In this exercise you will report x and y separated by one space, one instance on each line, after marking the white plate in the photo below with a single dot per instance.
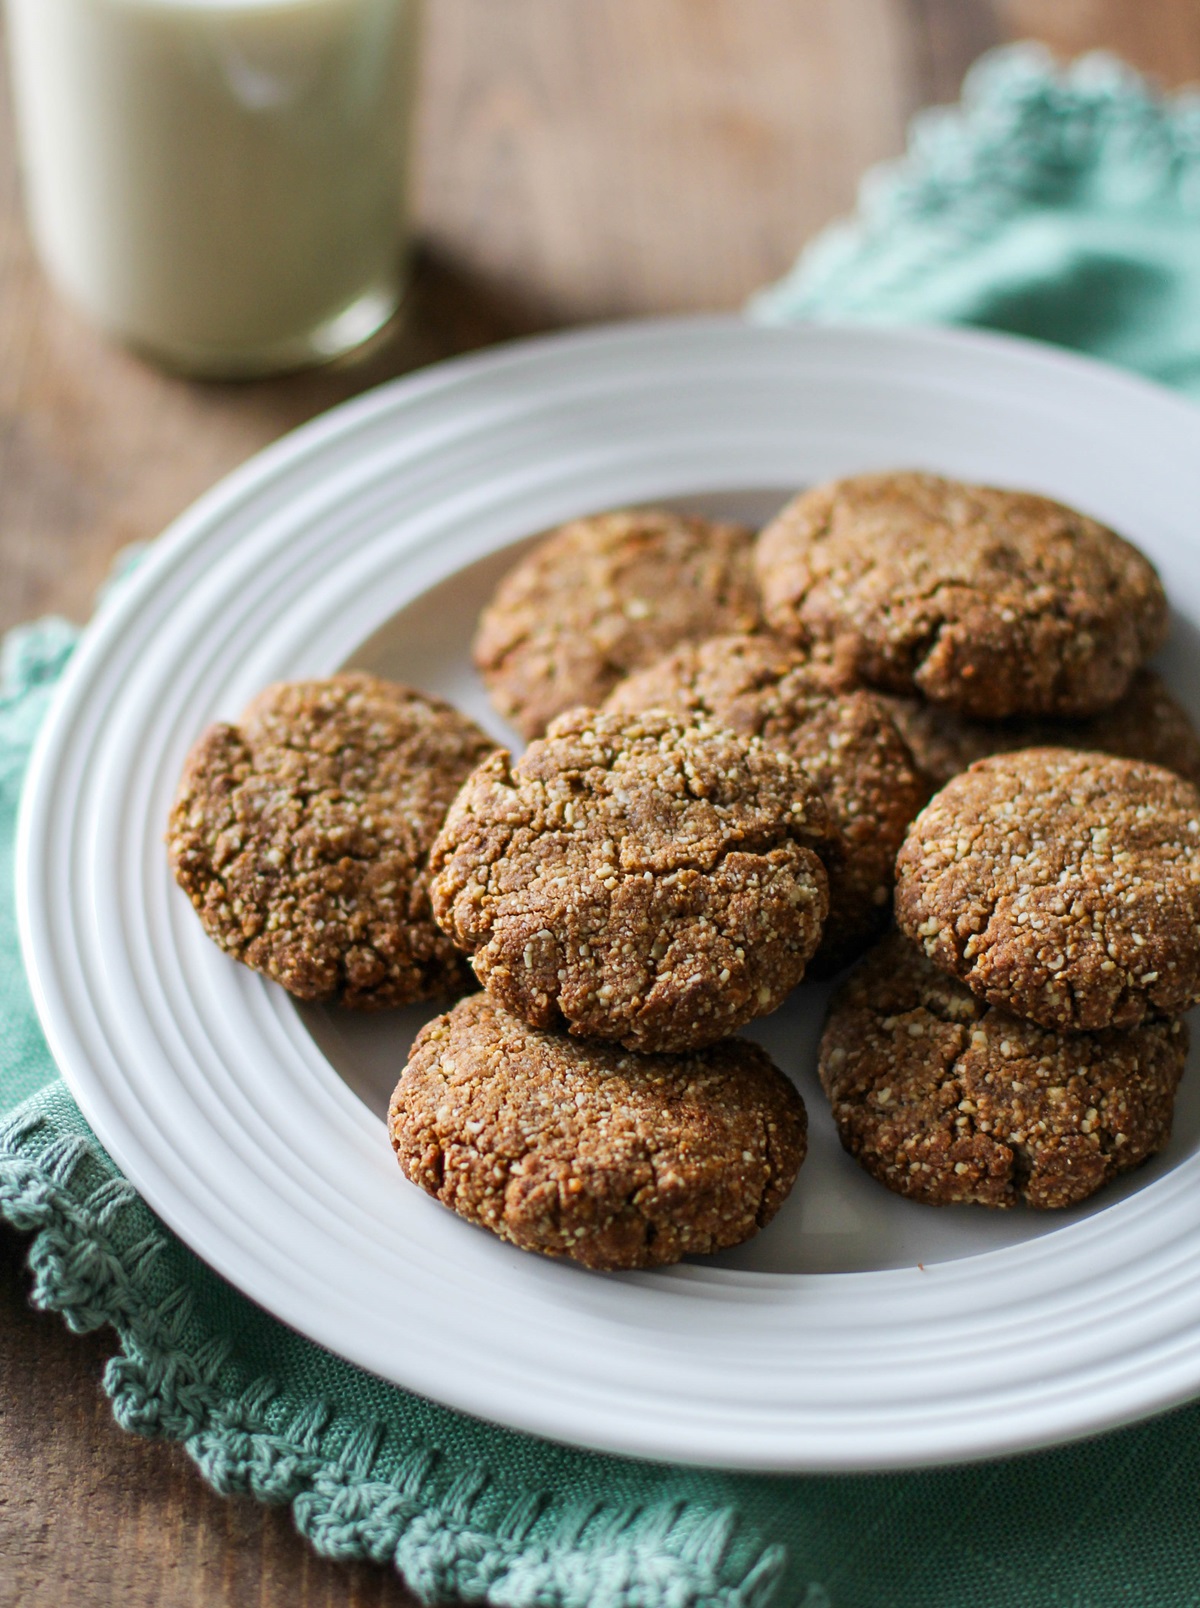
859 1331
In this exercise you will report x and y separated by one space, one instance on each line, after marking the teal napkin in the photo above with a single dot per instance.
1060 206
1066 206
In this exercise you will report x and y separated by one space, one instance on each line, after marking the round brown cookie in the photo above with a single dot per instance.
635 877
603 596
948 1100
1064 886
996 603
846 743
587 1151
301 836
1147 723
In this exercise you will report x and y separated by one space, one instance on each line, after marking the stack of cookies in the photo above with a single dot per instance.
1019 1038
649 883
729 741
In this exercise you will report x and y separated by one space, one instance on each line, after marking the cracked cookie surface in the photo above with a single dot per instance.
1147 723
603 596
635 877
301 836
948 1100
846 743
1063 885
996 603
585 1151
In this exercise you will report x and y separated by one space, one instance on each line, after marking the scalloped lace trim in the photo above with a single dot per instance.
452 1535
1026 134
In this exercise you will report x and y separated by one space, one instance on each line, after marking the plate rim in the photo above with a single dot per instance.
274 462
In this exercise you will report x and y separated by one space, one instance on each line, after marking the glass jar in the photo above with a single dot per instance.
219 183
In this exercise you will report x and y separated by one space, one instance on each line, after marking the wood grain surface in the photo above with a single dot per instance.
578 160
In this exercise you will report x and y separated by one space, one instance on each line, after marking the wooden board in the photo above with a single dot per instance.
579 160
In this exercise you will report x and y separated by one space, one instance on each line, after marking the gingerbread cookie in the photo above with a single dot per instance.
603 596
1147 723
995 603
1064 886
635 877
948 1100
586 1151
301 836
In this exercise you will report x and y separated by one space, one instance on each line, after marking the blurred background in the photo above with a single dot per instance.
576 160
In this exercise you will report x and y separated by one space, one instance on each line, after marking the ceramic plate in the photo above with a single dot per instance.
859 1331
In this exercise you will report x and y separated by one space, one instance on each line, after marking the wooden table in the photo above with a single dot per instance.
579 160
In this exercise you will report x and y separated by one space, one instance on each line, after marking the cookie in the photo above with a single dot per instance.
635 877
1147 723
603 596
1064 886
846 742
585 1151
948 1100
301 835
995 603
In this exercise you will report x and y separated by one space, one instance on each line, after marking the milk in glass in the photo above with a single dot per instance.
219 182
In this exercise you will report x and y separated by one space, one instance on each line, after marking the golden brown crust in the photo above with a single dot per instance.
635 878
948 1100
301 837
603 596
586 1151
1147 723
846 743
1064 886
996 603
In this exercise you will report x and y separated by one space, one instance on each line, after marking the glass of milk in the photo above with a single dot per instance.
219 183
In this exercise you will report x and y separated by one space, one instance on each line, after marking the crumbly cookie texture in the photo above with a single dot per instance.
586 1151
948 1100
302 835
846 743
603 596
1147 723
996 603
1065 886
635 877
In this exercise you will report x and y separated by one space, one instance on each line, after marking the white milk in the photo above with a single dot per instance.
219 182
